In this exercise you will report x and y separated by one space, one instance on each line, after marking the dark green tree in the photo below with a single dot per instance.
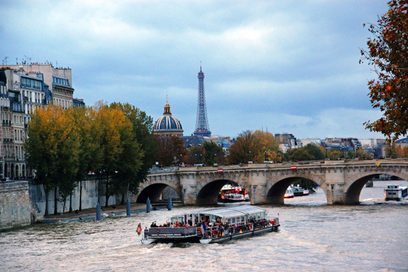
212 154
306 153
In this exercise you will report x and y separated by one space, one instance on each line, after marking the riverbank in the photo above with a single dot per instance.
107 212
90 214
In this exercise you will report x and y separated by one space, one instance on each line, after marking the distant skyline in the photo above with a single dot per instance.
280 66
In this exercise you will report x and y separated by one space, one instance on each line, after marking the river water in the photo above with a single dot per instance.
313 237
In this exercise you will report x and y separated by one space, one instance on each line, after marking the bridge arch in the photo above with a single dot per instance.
275 194
208 194
354 188
154 191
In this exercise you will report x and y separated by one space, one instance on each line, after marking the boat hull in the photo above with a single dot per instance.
174 240
243 235
198 239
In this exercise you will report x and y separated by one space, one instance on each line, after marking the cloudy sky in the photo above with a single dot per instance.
281 66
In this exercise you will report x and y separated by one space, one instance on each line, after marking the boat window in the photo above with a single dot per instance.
233 220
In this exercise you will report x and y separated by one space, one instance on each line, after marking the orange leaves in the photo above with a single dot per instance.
388 52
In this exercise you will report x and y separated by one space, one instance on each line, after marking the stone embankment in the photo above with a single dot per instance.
15 204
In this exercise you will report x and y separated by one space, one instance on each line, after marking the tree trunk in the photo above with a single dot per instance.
64 204
80 195
70 203
107 190
123 199
46 201
55 201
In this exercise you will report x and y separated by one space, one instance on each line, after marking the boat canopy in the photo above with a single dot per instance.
230 212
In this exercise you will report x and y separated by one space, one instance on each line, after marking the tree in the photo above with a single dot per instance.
315 151
267 148
299 154
89 156
142 131
212 153
334 154
170 150
129 163
306 153
52 150
67 156
363 155
401 151
40 150
194 155
388 53
243 150
110 123
255 146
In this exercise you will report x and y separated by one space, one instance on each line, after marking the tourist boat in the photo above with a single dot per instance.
232 194
297 190
395 192
212 226
289 193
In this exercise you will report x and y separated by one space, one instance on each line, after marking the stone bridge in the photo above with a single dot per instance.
342 181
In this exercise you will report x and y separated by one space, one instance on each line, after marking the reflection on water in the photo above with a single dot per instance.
313 237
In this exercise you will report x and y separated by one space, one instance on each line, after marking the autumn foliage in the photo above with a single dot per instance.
257 146
388 54
64 146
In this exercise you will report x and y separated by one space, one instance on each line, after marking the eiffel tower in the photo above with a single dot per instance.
202 128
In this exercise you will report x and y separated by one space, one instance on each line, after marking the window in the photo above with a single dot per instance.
60 81
30 83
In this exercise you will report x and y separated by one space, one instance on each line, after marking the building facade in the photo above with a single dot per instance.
58 80
23 89
286 141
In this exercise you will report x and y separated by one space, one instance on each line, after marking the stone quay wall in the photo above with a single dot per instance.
89 198
22 203
15 204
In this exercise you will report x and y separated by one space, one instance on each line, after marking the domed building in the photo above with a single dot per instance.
167 124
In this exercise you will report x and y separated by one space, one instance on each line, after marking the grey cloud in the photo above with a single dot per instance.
281 65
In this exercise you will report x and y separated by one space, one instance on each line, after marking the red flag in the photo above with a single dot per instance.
139 229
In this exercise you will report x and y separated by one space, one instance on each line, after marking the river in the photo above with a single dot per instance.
313 237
